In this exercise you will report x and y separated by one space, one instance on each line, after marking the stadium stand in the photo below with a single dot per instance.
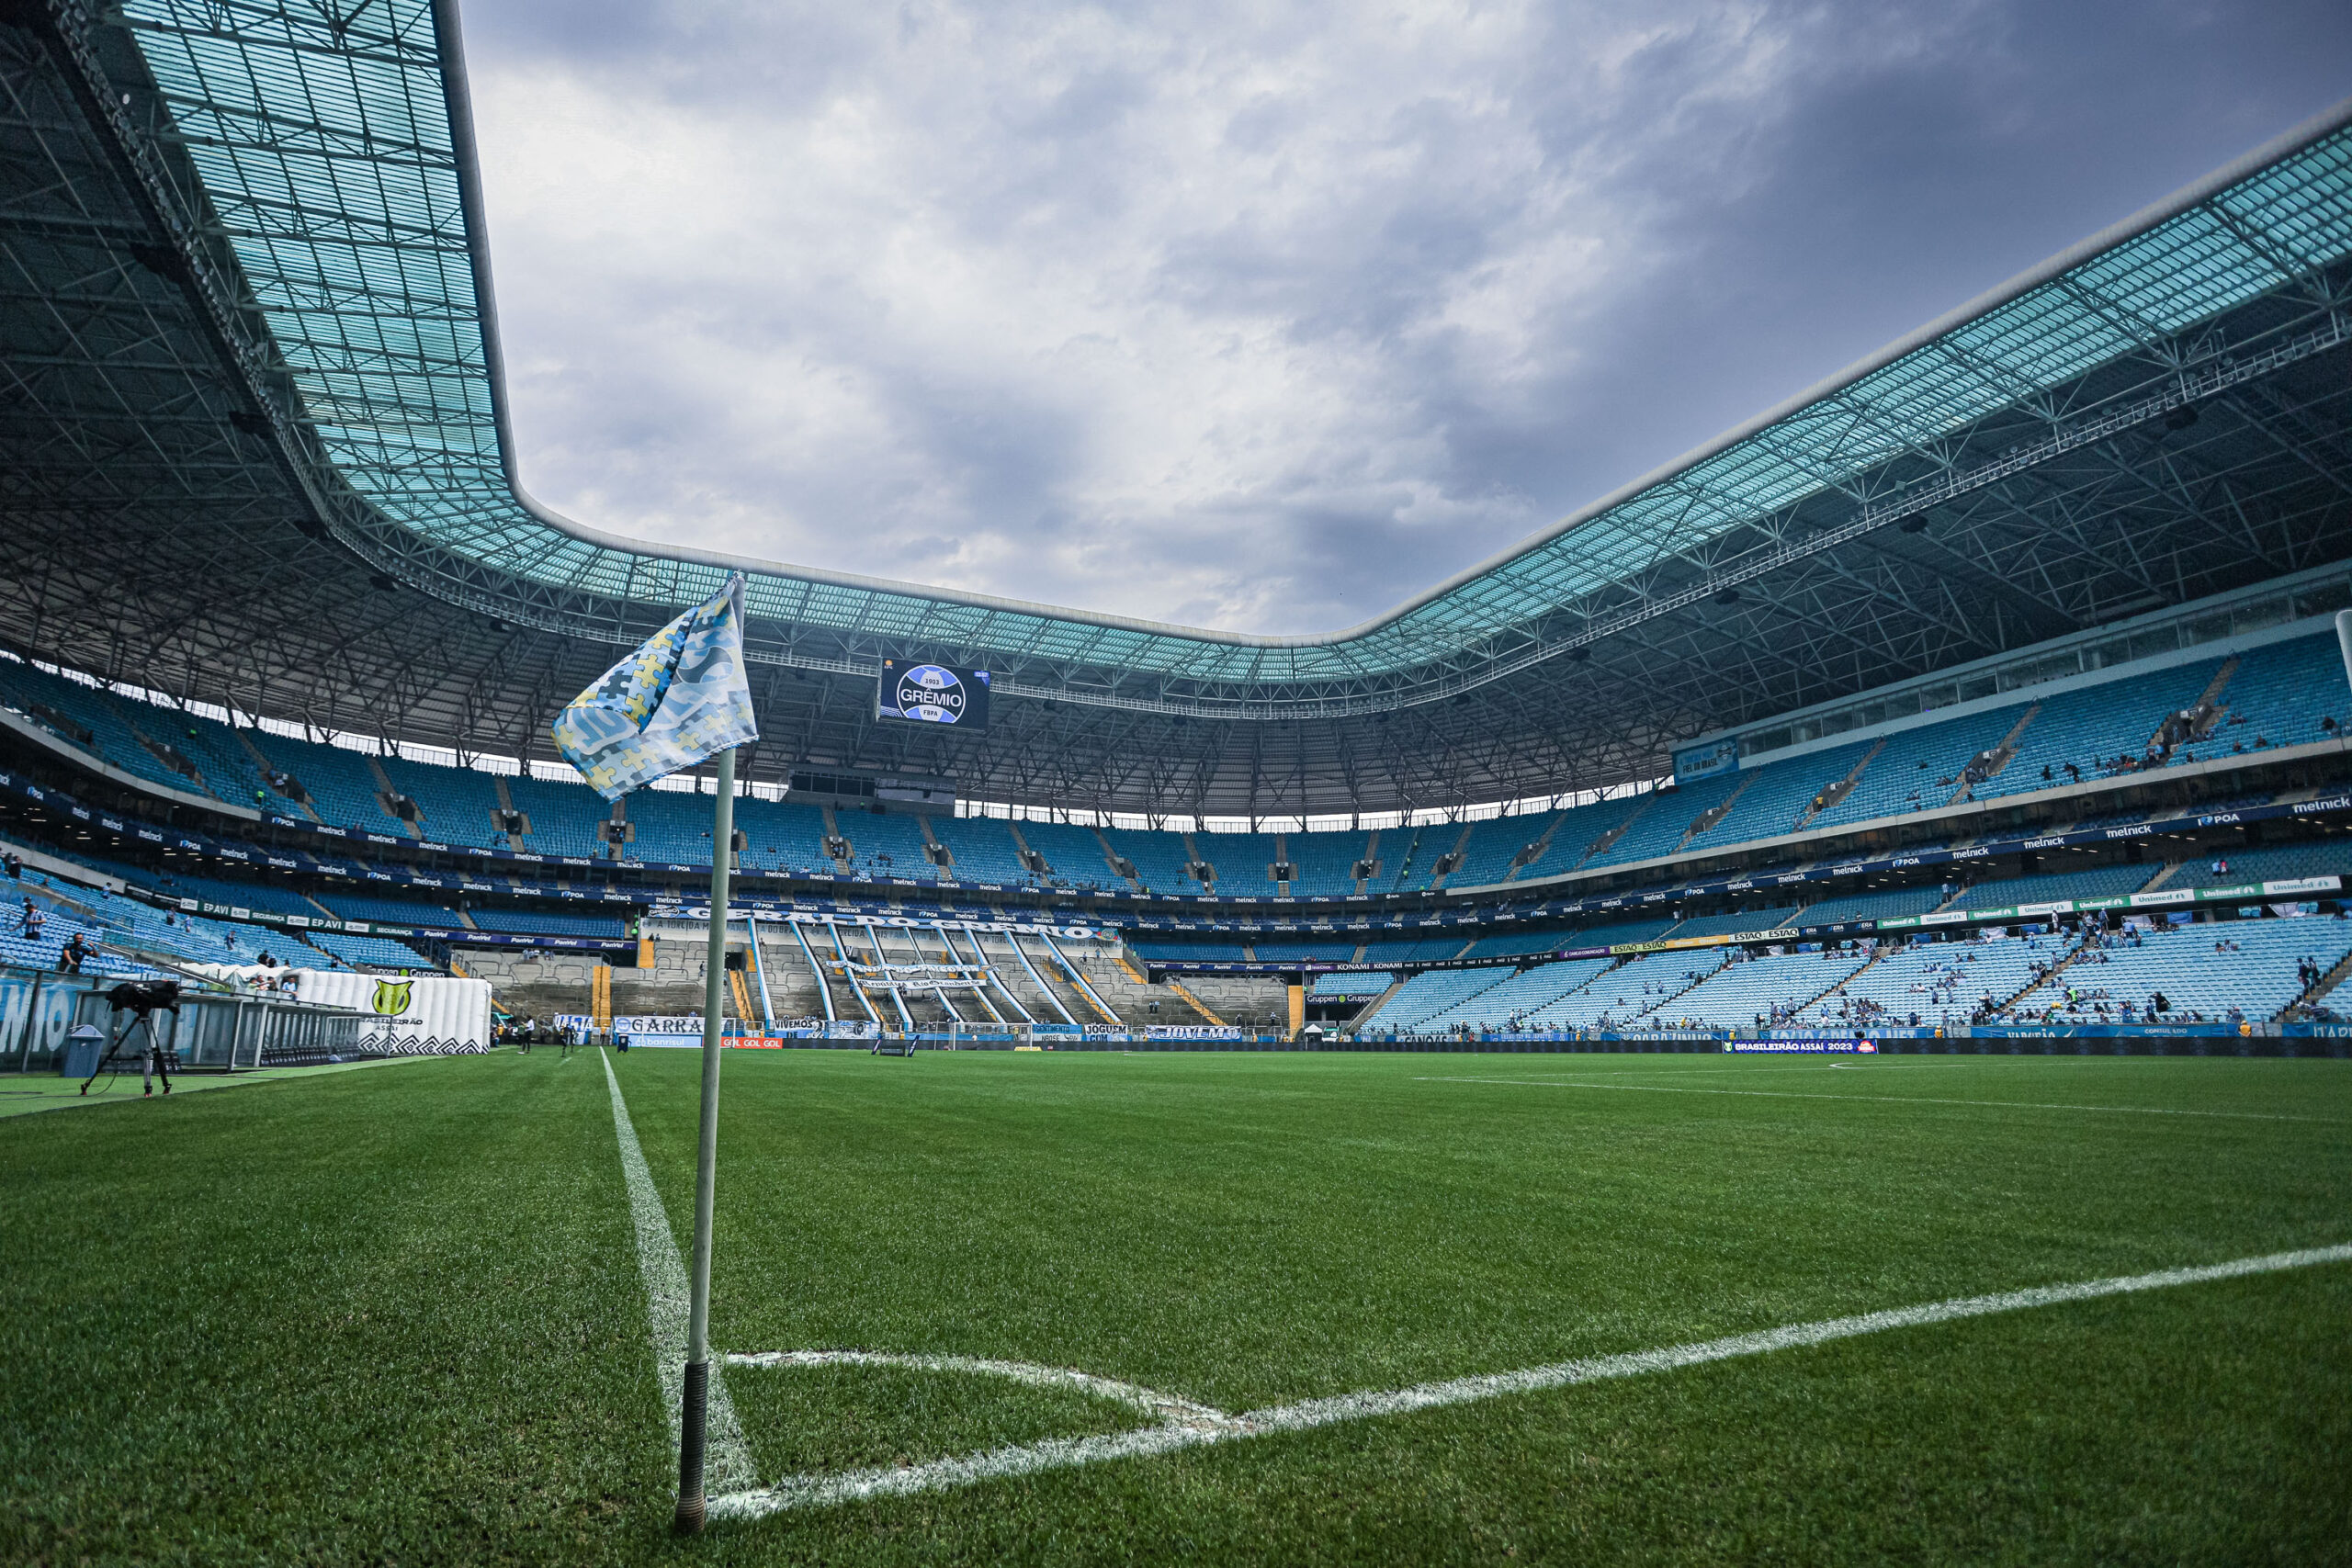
884 845
548 922
1159 858
1426 950
1306 951
2042 887
456 806
1491 847
2284 863
2227 971
1733 921
1943 983
1074 853
355 906
566 818
1751 992
1159 952
367 952
1513 999
1780 799
1326 863
273 896
1890 905
983 850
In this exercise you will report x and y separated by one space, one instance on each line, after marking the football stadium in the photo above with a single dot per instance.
1354 1097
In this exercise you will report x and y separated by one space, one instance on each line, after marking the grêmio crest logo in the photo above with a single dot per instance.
930 694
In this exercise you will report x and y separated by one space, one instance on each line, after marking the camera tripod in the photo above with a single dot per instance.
142 1001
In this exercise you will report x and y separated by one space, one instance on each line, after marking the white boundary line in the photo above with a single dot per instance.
1890 1099
1200 1425
728 1458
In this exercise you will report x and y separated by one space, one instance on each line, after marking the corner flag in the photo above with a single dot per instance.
681 697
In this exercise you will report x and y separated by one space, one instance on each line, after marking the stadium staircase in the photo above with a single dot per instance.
1112 859
2318 992
1197 1005
507 812
1030 859
1842 789
938 853
2018 996
264 767
1529 855
1663 1002
2171 868
1451 861
1987 763
1363 1019
1602 845
1713 814
386 793
2208 712
1371 859
1884 951
170 757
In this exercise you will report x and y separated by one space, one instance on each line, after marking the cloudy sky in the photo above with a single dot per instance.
1262 317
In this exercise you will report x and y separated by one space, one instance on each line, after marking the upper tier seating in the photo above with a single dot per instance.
1777 798
1159 858
983 849
455 805
1074 853
2091 727
1326 863
884 845
2280 695
566 818
1492 846
343 792
1240 861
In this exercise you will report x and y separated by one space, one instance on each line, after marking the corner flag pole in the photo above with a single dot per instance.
698 1390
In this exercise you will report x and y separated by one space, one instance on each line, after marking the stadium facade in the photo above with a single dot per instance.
2035 599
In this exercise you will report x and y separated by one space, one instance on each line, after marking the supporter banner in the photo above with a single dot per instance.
1194 1032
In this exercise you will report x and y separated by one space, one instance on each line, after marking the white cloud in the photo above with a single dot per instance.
1252 317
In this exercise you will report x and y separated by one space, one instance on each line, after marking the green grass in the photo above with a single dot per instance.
397 1315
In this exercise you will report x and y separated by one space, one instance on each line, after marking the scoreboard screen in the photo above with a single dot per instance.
933 693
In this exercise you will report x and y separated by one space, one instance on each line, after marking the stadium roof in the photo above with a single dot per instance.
316 281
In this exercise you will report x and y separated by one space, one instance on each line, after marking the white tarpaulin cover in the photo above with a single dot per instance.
426 1014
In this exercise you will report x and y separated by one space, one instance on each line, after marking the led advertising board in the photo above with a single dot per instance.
933 693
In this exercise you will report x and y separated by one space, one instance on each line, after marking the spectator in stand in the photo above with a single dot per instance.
70 956
15 865
32 921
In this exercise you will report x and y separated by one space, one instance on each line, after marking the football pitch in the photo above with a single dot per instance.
403 1314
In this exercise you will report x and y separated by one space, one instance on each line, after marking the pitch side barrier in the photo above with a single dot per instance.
1123 899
